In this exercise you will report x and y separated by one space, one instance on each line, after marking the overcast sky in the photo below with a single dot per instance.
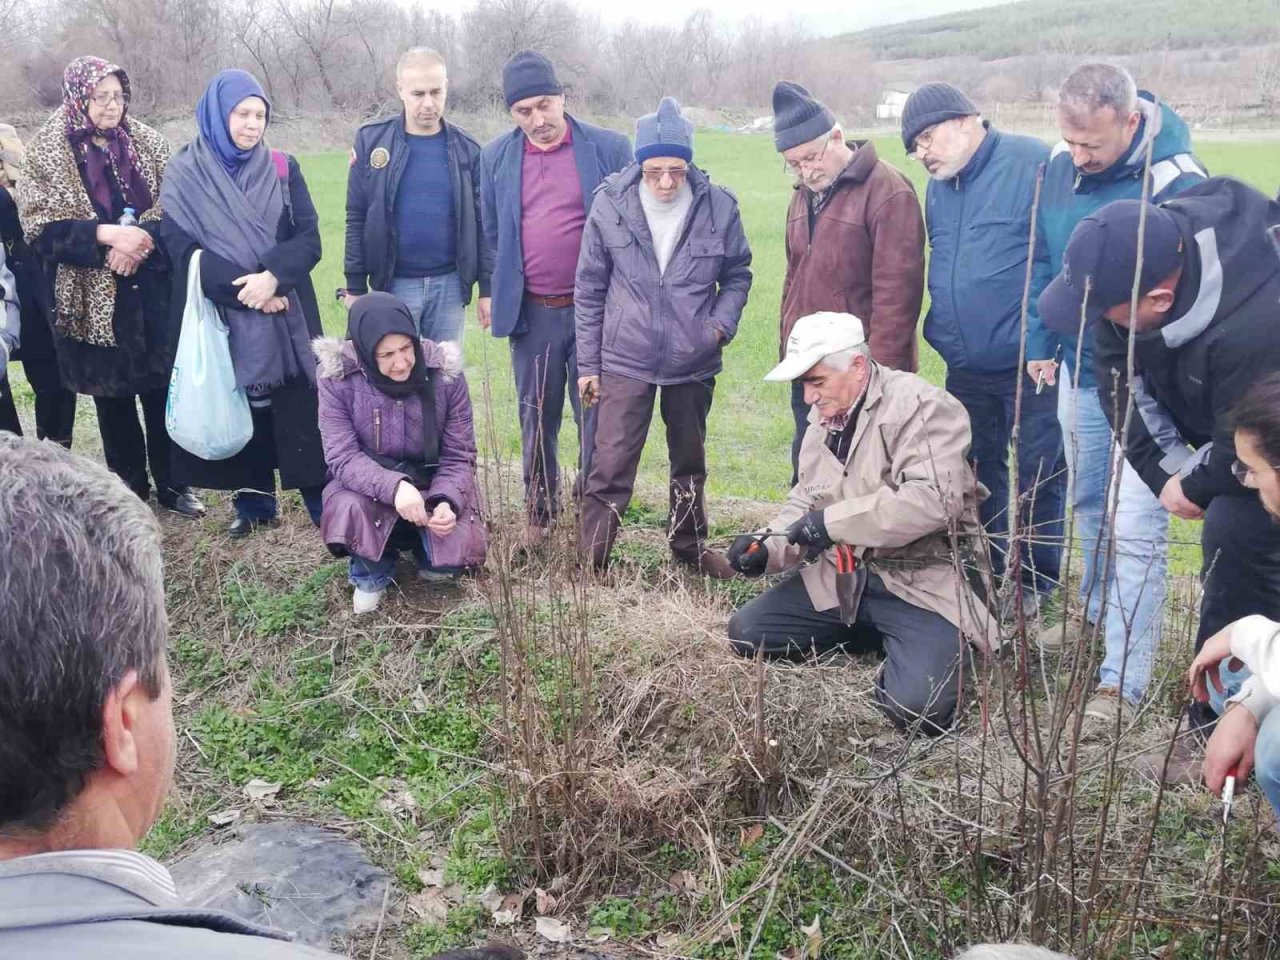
821 16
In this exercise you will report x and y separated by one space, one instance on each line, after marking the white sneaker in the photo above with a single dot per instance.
366 601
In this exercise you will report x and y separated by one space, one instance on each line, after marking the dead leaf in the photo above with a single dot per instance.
598 934
419 700
431 877
558 883
666 940
224 818
260 790
430 906
791 953
684 881
543 901
509 910
751 835
491 899
726 932
813 938
554 930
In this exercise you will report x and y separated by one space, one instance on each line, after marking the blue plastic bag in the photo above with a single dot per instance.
206 413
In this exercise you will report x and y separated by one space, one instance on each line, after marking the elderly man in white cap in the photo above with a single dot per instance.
885 490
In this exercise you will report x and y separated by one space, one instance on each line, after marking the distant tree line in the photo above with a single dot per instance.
339 55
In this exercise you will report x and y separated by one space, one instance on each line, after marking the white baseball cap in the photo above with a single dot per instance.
816 336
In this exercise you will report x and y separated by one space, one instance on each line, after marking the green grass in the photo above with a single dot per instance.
749 433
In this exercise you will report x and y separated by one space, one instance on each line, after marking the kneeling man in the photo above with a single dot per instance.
885 490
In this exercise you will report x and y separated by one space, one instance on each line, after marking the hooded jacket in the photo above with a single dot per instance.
357 419
1068 196
979 222
1223 337
659 327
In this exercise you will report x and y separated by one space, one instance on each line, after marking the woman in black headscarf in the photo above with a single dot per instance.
400 479
248 209
88 200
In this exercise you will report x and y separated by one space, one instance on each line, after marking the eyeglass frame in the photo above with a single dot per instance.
793 169
1242 471
655 176
120 97
925 137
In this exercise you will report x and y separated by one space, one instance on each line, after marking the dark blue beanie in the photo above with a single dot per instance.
528 74
666 133
929 104
797 117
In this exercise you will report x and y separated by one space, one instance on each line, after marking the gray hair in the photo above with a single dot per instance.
1093 86
843 359
1009 951
419 57
81 605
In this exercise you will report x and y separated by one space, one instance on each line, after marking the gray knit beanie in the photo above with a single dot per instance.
797 117
667 133
929 104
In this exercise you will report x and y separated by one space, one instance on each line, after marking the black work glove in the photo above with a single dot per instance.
749 556
810 531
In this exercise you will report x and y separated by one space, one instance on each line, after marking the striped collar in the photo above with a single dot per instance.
130 871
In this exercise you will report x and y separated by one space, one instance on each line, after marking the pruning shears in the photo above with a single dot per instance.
1228 795
1057 358
851 580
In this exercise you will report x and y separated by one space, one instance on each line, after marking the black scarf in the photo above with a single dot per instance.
372 317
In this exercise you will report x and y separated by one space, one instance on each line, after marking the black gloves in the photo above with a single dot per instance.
810 531
748 555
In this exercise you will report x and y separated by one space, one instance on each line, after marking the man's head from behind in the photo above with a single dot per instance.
1098 115
86 755
1099 265
828 354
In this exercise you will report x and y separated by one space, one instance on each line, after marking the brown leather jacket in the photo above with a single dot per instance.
865 257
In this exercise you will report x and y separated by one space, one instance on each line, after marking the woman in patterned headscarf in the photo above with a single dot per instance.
90 171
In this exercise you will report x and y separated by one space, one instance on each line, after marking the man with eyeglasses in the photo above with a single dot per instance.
1203 329
979 207
661 284
854 240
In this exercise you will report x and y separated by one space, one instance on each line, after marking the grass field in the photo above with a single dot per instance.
749 433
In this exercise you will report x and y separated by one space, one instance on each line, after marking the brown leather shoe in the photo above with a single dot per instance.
712 564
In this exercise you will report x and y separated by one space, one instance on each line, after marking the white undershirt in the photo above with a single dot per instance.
665 220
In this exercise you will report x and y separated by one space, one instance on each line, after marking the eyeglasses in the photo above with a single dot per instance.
106 99
925 137
1244 473
655 174
796 169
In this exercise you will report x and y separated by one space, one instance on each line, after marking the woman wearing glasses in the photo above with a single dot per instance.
662 281
89 204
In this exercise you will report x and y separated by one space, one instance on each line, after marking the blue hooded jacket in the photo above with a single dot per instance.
1069 196
978 224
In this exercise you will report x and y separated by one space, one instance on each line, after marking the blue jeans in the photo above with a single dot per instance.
436 304
258 505
1042 473
1266 751
374 576
1131 587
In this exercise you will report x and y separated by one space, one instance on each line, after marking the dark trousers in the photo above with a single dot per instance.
1042 469
919 679
124 447
800 413
545 363
1241 556
622 425
256 500
55 414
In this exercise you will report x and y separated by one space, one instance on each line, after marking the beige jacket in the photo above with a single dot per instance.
905 489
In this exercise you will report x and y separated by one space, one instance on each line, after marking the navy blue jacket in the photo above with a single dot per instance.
598 153
979 222
370 259
1069 196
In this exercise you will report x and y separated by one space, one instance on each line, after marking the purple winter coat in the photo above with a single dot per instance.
659 328
359 500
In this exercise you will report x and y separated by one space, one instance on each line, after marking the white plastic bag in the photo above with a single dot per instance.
206 413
